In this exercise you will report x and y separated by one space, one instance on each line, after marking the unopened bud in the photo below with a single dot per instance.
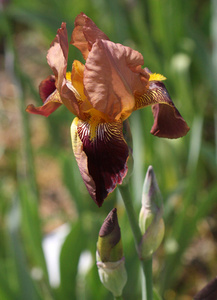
109 256
150 218
209 292
109 245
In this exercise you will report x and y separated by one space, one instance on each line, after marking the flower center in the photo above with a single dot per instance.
75 83
96 118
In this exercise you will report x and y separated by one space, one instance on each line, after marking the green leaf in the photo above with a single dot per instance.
74 182
31 226
69 258
156 296
6 292
27 288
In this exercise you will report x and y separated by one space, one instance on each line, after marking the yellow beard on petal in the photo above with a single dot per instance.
68 76
94 122
156 77
96 117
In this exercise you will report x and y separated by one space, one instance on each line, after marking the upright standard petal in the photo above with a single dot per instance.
50 97
85 34
115 71
103 160
57 59
168 122
57 55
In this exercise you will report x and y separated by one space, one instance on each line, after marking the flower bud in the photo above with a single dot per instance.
150 218
109 245
109 256
209 292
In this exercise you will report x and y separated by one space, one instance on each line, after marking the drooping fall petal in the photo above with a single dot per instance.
168 122
50 97
103 160
85 34
116 70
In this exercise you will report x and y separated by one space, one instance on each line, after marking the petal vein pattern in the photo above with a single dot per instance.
156 93
168 122
103 159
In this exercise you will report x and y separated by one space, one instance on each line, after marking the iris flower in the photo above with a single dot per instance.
102 94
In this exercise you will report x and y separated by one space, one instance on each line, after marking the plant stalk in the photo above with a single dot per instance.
145 264
148 291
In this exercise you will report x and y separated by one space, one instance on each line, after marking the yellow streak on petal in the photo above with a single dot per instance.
150 98
76 142
156 77
68 76
96 117
94 122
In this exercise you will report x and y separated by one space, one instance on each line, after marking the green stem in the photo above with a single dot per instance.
148 292
131 214
145 264
118 298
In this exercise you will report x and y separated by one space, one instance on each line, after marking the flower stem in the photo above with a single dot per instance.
118 298
148 292
145 264
131 214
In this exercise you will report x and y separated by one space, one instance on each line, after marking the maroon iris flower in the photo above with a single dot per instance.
102 94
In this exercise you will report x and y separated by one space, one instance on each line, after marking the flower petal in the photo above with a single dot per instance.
47 87
116 72
50 97
85 34
57 59
103 160
168 122
209 292
58 55
68 96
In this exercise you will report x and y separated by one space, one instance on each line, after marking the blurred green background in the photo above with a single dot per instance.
41 187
